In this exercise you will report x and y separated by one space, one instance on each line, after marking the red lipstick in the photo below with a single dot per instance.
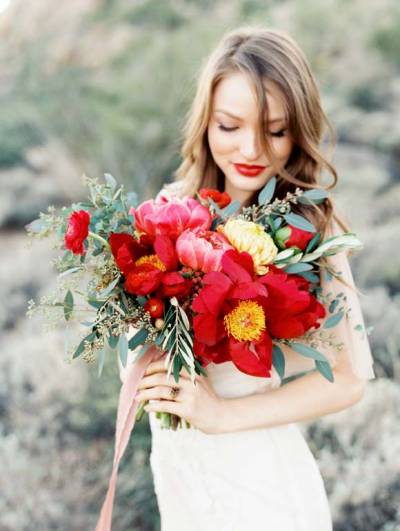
249 170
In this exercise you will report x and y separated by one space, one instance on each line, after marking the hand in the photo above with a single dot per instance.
196 402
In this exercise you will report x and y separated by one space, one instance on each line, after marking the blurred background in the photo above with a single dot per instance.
94 86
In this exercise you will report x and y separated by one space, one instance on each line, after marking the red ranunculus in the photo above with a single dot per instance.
221 198
148 264
143 279
77 231
173 284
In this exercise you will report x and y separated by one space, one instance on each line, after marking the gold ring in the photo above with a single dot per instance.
174 392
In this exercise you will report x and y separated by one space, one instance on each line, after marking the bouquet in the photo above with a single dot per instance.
202 279
193 276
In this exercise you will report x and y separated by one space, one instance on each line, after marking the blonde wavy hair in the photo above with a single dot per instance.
263 55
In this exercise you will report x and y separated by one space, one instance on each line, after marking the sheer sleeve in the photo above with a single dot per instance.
350 331
355 353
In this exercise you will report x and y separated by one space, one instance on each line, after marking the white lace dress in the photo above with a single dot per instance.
264 479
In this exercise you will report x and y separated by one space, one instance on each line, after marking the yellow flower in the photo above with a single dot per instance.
252 238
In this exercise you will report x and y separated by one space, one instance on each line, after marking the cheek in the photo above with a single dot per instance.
283 147
219 142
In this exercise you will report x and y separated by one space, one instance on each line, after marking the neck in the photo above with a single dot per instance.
243 196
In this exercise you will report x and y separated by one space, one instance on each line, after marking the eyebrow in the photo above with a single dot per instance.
239 118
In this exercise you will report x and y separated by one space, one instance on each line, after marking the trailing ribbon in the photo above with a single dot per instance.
126 416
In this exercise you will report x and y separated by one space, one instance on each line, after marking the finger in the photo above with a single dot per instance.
159 367
157 393
155 366
165 406
160 378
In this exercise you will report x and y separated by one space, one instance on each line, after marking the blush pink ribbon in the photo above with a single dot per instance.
126 416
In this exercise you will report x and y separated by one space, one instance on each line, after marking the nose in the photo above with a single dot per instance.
250 147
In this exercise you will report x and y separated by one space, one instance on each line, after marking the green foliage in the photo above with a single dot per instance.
19 130
386 36
155 15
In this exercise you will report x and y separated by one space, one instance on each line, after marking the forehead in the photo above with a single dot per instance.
234 93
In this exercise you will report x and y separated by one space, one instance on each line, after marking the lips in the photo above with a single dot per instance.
249 171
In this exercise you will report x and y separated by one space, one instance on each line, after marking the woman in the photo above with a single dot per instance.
244 463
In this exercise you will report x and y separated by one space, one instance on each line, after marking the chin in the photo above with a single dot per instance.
248 184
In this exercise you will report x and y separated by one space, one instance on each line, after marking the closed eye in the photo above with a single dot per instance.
230 129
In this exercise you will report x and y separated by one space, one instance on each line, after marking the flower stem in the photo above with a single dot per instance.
100 239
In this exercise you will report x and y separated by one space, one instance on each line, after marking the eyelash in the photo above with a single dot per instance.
278 134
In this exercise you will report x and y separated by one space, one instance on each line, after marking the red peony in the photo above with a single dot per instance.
221 198
143 279
238 312
77 231
230 322
291 309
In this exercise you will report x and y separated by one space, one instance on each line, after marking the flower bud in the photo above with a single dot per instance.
159 323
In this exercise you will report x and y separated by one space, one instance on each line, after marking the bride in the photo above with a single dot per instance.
244 464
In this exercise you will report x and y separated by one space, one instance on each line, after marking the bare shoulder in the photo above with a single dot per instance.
171 190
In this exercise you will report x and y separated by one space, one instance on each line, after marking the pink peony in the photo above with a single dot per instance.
171 217
201 250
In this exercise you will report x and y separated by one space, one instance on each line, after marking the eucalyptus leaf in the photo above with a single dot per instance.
284 255
312 244
68 305
333 304
110 180
131 199
80 348
307 351
311 277
335 245
333 320
325 369
123 349
278 360
200 368
109 288
87 323
298 268
299 222
69 271
113 341
267 192
102 355
315 196
138 339
95 304
216 207
36 226
141 300
141 352
230 209
177 368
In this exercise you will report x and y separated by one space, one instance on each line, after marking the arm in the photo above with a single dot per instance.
305 398
311 395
